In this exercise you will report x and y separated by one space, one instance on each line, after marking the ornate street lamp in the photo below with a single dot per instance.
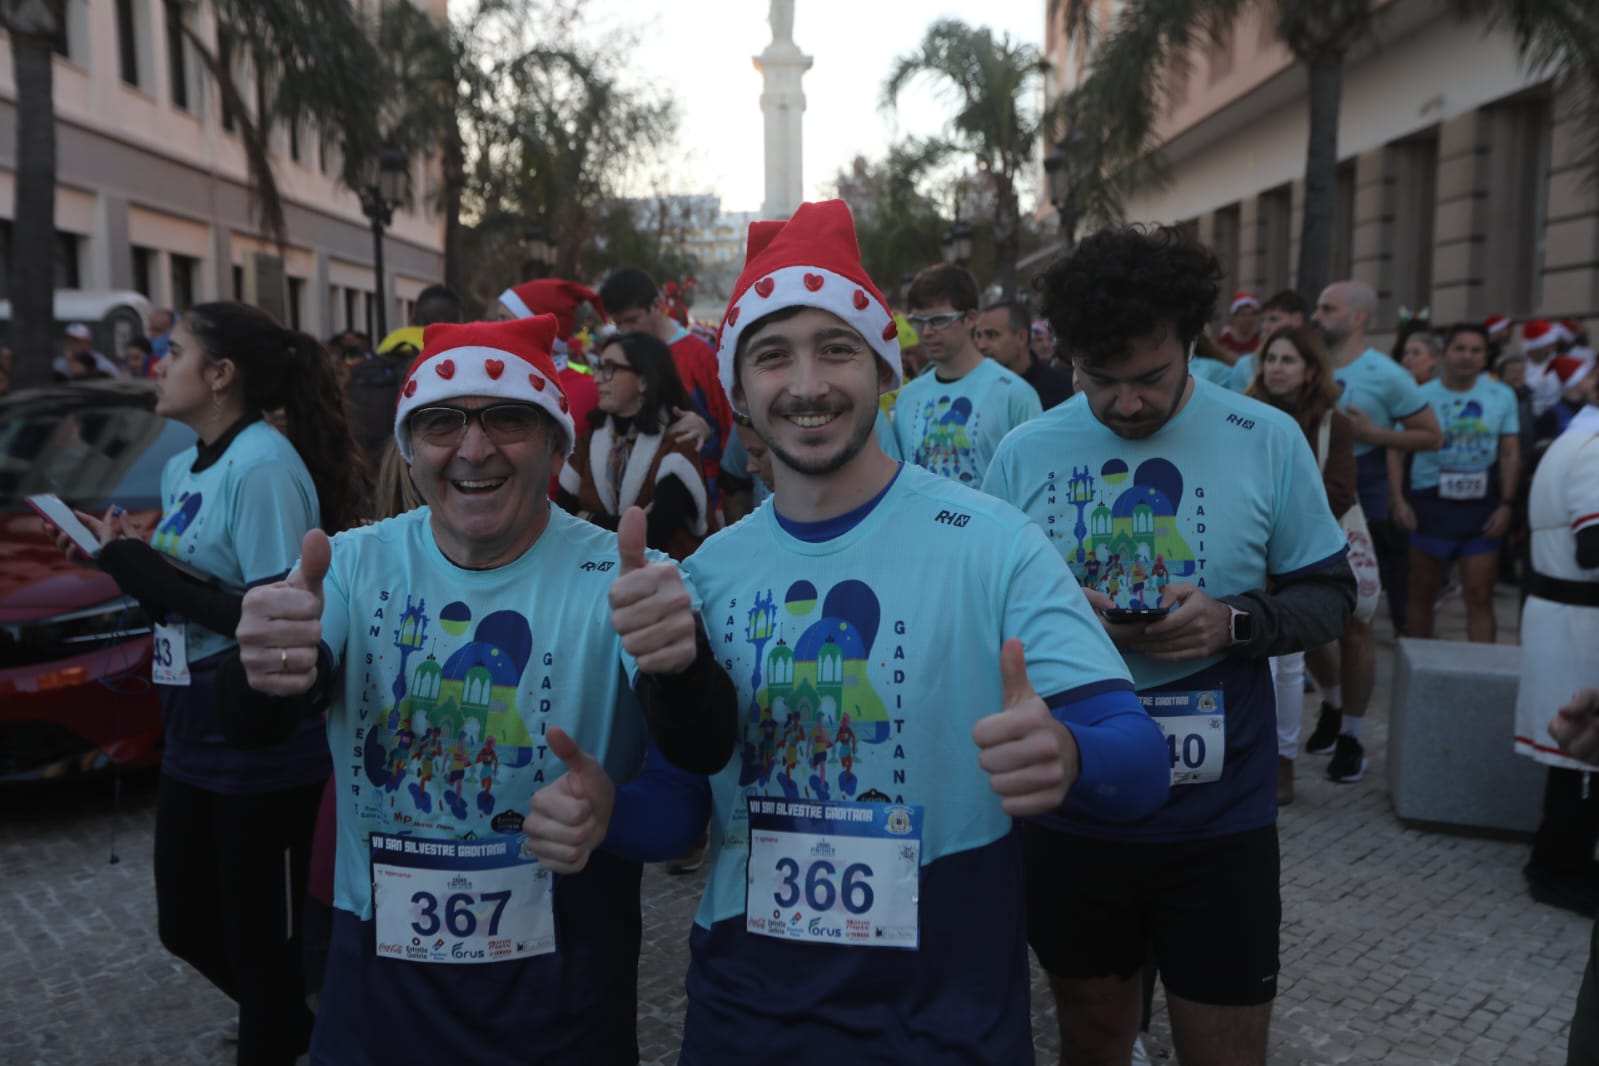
390 187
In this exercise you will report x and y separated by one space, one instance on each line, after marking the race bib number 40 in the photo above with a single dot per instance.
835 873
459 901
1195 727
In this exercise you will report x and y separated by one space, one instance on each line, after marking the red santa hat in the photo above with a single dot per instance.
551 296
1244 299
504 360
1496 324
1570 328
1539 334
811 260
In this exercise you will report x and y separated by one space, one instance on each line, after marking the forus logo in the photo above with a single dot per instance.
818 930
461 951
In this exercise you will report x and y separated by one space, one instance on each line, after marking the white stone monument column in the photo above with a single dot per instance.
782 66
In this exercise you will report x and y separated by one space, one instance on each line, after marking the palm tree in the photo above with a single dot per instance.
1129 66
33 25
989 83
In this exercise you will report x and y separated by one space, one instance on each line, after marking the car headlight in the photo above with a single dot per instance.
72 633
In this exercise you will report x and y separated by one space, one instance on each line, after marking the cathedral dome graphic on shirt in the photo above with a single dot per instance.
1127 543
814 701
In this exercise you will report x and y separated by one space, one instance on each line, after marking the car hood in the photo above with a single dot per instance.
37 581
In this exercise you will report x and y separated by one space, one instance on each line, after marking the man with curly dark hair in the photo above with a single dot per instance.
1178 504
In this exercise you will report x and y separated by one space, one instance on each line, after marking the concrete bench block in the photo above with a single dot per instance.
1449 738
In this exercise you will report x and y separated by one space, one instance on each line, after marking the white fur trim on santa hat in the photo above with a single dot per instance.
514 304
808 286
1538 335
1243 299
455 373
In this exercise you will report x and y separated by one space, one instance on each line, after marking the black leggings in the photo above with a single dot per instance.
230 874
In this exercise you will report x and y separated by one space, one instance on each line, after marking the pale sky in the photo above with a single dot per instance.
701 51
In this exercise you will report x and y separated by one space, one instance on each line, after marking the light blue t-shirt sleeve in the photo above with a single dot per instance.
1509 422
1304 532
1403 395
270 516
886 437
1068 650
1243 373
335 610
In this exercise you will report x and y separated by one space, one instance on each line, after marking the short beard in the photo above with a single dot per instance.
829 465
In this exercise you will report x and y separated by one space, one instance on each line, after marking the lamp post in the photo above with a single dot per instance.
1056 174
958 242
537 252
388 190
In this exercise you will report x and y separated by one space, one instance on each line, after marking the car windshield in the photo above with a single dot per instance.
87 450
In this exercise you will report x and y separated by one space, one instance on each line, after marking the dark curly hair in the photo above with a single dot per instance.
1125 282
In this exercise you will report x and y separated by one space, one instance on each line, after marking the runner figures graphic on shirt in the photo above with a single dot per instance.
945 447
814 703
1469 442
1126 540
174 525
452 724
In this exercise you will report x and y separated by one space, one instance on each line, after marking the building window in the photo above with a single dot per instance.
369 308
185 268
177 56
1343 235
127 42
144 271
350 318
225 63
1415 171
1224 243
296 294
1518 133
238 282
67 275
1276 236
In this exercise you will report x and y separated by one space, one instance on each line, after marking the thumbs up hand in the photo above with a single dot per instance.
280 625
1031 759
570 816
650 607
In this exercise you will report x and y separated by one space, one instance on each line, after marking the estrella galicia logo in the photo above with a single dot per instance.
899 820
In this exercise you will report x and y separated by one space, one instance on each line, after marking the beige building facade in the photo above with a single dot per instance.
1458 184
151 191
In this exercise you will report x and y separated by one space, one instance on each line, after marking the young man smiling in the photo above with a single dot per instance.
899 708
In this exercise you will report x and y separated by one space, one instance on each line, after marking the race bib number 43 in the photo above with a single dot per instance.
459 901
835 873
169 654
1195 727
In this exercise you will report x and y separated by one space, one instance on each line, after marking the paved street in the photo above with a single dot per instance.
1400 947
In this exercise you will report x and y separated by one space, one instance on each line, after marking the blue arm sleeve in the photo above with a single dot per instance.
660 814
1125 770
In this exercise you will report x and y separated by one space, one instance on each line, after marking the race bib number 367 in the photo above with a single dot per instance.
459 901
835 873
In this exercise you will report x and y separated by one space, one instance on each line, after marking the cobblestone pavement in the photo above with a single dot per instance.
1400 946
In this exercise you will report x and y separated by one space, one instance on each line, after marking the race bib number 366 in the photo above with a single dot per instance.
835 873
459 901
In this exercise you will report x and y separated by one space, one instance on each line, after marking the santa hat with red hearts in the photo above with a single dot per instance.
552 296
1244 299
1496 324
811 260
1539 334
504 360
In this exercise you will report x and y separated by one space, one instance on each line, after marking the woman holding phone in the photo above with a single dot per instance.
233 827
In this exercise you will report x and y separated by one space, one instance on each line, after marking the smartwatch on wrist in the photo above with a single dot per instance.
1240 626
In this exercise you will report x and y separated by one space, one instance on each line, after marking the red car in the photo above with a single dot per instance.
75 690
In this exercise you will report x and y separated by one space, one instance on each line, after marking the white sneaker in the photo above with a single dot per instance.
1140 1056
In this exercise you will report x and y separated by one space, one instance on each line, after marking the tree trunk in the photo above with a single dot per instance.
1321 175
453 165
33 227
1007 238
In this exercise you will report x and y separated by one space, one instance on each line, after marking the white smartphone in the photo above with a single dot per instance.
53 509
